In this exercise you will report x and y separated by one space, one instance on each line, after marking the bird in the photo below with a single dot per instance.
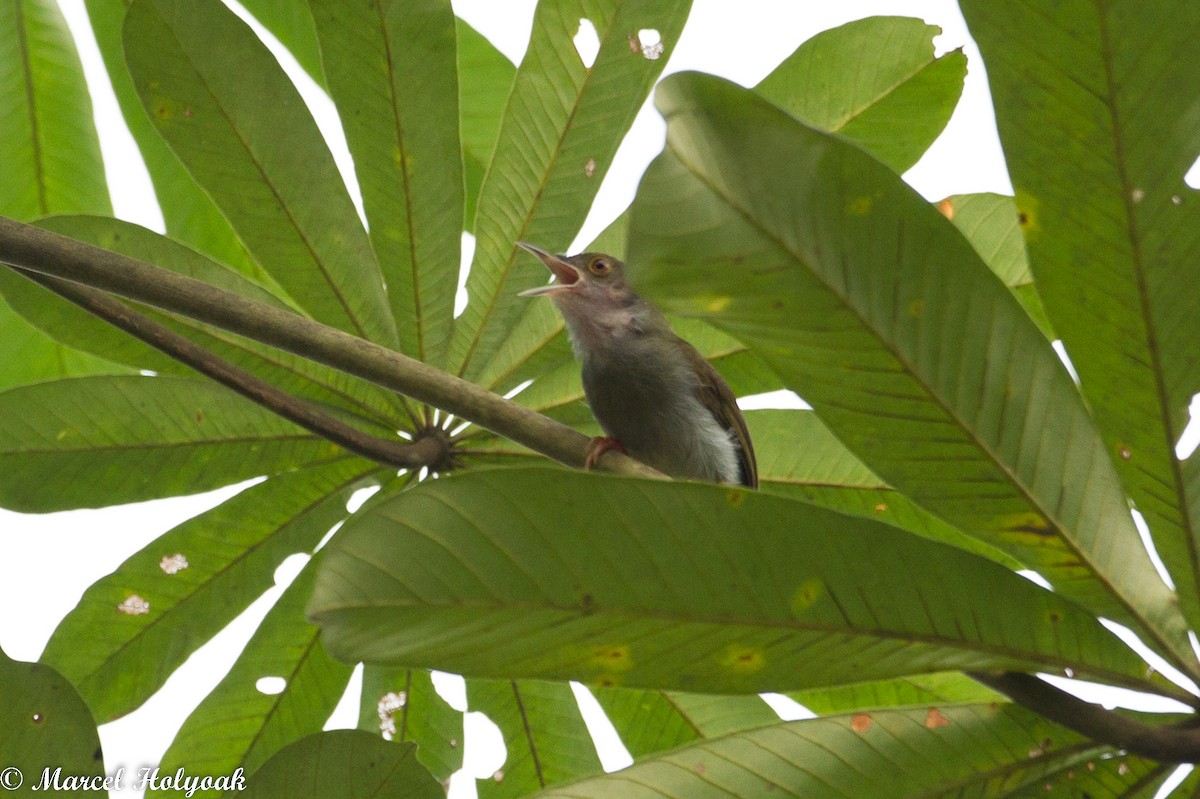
655 396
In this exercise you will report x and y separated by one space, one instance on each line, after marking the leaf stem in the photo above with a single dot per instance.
34 249
427 450
1166 743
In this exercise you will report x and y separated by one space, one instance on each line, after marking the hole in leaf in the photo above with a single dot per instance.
464 270
270 685
286 571
359 497
1192 176
587 43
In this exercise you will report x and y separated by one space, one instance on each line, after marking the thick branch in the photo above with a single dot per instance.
424 451
48 253
1167 743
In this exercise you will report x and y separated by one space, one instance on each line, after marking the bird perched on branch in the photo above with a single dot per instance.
655 396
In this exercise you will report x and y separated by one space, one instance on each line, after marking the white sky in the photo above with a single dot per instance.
49 560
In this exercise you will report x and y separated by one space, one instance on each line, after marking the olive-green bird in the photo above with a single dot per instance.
654 395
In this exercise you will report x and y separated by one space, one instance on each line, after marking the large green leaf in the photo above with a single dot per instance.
544 734
98 441
240 726
545 573
875 309
1099 114
894 103
342 764
406 150
194 579
403 705
222 102
46 727
970 750
560 132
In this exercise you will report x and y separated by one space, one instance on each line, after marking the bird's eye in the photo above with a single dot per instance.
599 266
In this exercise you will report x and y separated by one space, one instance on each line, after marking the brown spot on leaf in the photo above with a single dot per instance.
935 719
946 206
860 722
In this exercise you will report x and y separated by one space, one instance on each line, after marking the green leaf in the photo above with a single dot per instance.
51 151
485 76
403 705
924 689
544 734
1097 108
560 131
869 304
894 103
47 727
545 573
240 726
98 441
222 102
189 213
971 750
195 578
343 764
406 150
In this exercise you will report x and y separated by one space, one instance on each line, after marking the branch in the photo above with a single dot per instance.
37 250
425 451
1167 743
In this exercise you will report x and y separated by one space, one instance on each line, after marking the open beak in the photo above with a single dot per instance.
565 274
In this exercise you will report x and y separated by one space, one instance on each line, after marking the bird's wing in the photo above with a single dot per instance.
718 398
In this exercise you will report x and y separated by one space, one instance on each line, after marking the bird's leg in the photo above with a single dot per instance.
599 446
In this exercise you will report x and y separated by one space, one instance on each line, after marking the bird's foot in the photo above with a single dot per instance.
599 446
